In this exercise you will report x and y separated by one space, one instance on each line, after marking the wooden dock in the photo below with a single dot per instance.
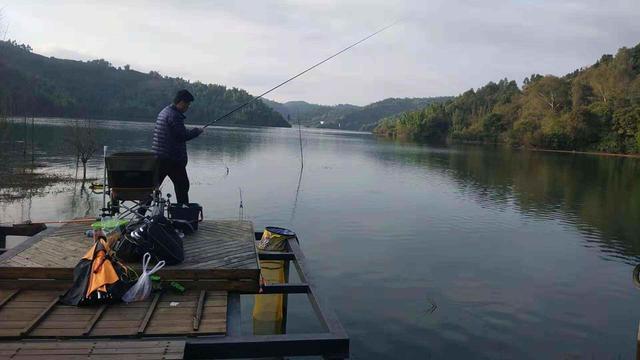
221 255
221 262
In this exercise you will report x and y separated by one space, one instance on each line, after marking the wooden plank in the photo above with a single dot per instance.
234 315
38 295
9 296
98 357
92 344
94 319
199 307
248 287
23 315
39 318
147 316
23 229
26 244
104 349
35 284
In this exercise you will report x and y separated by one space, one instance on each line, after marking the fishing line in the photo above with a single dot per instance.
254 99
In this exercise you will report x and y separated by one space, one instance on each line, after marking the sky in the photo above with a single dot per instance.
438 48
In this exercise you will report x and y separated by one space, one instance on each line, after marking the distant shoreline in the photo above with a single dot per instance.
42 119
521 148
598 153
524 148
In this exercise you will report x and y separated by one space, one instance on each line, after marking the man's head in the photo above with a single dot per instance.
182 100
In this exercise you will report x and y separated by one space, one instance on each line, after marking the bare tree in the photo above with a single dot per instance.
81 139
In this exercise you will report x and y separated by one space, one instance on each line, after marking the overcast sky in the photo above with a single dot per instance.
439 48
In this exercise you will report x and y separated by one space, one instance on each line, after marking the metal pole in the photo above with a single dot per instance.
285 300
104 181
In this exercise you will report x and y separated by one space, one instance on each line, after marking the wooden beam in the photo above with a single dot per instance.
23 229
230 347
234 315
273 255
198 312
94 319
64 273
147 316
33 323
285 289
638 345
8 298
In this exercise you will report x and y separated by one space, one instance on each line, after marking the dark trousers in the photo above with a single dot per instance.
177 172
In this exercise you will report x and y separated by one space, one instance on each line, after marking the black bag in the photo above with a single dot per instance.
156 236
162 241
128 247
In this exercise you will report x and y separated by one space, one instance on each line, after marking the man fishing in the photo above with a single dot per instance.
170 138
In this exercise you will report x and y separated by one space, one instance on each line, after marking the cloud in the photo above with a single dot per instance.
440 48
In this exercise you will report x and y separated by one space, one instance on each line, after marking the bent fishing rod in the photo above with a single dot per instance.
256 98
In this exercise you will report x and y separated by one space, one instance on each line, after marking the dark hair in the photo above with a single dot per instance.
183 95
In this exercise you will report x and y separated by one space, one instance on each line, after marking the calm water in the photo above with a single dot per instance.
526 255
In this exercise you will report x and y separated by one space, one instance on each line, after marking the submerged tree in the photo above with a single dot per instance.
81 140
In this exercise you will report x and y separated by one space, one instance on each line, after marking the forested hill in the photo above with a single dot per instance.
349 117
369 116
311 114
596 108
45 86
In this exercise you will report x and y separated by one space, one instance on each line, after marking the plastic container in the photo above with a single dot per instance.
273 238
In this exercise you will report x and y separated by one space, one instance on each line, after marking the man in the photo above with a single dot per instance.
170 138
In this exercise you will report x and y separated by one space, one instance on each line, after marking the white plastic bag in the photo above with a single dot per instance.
141 290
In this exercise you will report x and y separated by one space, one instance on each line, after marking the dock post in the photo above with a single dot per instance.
638 344
285 298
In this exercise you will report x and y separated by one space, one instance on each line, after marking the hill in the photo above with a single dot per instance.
312 115
36 85
345 116
369 116
596 108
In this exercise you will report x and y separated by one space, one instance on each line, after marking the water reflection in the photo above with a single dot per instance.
597 195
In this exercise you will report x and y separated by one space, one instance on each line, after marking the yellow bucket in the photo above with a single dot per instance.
268 310
274 238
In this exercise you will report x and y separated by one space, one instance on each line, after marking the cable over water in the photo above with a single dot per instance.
256 98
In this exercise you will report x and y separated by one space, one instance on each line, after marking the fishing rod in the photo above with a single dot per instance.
256 98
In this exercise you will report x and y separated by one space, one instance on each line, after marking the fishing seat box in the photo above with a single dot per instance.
132 175
186 218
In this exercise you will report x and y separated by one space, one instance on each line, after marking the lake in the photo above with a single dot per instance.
524 254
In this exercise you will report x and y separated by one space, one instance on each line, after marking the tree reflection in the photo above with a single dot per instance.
598 195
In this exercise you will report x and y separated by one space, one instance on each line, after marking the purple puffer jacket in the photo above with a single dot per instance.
170 136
